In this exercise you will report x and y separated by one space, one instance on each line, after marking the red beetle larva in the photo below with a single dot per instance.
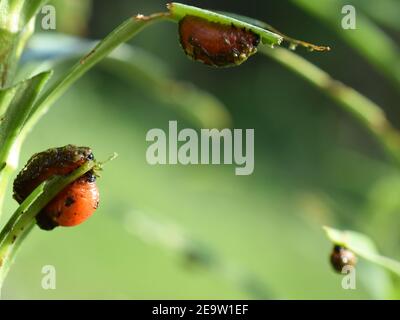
216 44
76 202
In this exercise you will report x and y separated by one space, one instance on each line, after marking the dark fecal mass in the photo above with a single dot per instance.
216 44
43 165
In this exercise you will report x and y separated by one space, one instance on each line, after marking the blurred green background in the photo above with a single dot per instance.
185 232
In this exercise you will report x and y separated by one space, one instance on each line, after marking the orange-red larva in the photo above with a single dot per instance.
216 44
73 205
76 202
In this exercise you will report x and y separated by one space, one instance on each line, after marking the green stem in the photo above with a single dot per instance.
152 75
5 174
24 218
122 34
18 101
17 23
368 38
369 114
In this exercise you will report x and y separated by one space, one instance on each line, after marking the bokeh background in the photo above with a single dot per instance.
194 232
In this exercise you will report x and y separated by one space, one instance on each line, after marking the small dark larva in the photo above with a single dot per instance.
216 44
341 257
76 202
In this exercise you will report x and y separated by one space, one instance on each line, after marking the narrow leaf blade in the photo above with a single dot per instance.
363 246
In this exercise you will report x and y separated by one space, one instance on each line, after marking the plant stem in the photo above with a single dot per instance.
17 23
18 101
24 218
152 75
5 174
122 34
368 38
369 114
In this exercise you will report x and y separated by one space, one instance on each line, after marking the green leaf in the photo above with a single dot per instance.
18 101
384 12
16 14
179 11
365 111
15 103
17 22
368 39
293 43
362 246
